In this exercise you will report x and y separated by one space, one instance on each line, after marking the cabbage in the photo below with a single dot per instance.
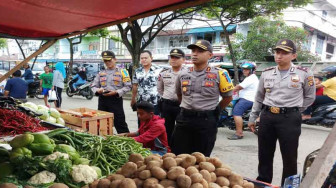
45 114
54 113
31 106
60 121
51 119
42 107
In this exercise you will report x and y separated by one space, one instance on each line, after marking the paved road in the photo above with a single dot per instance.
241 155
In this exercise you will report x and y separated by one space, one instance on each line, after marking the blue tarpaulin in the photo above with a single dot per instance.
211 29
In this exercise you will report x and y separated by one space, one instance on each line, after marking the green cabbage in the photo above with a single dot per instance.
42 107
60 121
54 113
51 119
45 114
31 106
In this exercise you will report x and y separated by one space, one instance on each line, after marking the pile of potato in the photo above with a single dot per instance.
183 171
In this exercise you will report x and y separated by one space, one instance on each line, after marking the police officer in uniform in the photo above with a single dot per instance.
198 89
166 88
284 91
110 85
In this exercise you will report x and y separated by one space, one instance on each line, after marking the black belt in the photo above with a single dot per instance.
194 113
280 110
171 102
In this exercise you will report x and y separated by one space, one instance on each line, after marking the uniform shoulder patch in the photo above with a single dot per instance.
164 70
269 68
302 68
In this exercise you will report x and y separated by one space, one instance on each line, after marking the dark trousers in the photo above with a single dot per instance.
170 110
58 91
319 100
287 129
194 134
115 106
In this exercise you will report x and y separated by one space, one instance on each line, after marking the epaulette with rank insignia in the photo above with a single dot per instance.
164 69
269 68
302 68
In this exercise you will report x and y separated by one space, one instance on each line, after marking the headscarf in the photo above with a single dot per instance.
60 67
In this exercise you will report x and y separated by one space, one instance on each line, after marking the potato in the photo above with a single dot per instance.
152 157
28 186
196 178
237 186
222 181
226 166
168 183
140 163
127 183
196 185
188 161
142 168
158 186
236 179
204 183
172 155
118 171
158 173
113 177
8 185
138 182
225 187
206 175
214 185
199 157
207 166
152 164
150 182
115 183
178 161
169 162
174 172
128 169
183 181
135 157
104 183
197 167
145 174
223 172
213 177
216 162
247 184
59 185
191 170
182 155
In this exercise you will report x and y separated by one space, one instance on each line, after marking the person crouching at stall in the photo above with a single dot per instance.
152 132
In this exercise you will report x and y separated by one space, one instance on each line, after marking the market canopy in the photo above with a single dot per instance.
48 19
229 28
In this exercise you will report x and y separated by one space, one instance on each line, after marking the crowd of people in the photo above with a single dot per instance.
178 107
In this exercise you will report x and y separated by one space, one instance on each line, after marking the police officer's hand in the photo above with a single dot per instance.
252 125
111 93
100 91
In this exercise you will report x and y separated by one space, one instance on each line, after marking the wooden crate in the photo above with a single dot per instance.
102 124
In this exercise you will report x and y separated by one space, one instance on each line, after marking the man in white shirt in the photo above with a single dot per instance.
247 91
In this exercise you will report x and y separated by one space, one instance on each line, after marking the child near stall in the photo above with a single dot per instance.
152 132
46 83
318 80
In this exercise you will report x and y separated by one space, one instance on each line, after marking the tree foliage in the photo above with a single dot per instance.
263 35
3 43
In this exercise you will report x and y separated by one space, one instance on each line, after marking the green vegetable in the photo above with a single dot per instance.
54 113
42 148
56 132
31 106
22 140
98 170
83 161
60 121
6 169
41 138
18 154
45 114
51 120
69 150
4 155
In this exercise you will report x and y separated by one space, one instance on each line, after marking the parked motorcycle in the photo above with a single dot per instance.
34 88
83 90
324 115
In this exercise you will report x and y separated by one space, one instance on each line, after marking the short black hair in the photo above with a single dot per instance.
148 52
319 77
146 106
17 73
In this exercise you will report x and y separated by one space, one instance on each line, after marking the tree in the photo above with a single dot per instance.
3 43
141 37
235 11
263 35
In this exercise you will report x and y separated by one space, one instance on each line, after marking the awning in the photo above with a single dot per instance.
229 28
46 19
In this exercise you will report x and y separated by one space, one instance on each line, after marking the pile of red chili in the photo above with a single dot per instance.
13 122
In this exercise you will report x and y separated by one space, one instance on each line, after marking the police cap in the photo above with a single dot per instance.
107 55
177 53
286 45
202 44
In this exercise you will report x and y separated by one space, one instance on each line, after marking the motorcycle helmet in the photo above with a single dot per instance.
330 71
249 65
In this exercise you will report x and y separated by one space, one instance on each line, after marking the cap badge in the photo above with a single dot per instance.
284 42
199 42
105 53
175 51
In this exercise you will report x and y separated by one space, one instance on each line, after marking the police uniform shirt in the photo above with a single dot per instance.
294 89
166 83
200 90
147 84
113 80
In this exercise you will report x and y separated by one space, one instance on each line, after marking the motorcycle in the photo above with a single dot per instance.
34 88
324 115
83 90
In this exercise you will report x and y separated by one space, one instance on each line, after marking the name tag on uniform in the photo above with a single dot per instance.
295 78
211 75
209 84
103 79
102 74
185 82
116 78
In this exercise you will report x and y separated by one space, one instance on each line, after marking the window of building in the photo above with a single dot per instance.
179 41
94 46
330 48
324 14
75 48
111 44
319 44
